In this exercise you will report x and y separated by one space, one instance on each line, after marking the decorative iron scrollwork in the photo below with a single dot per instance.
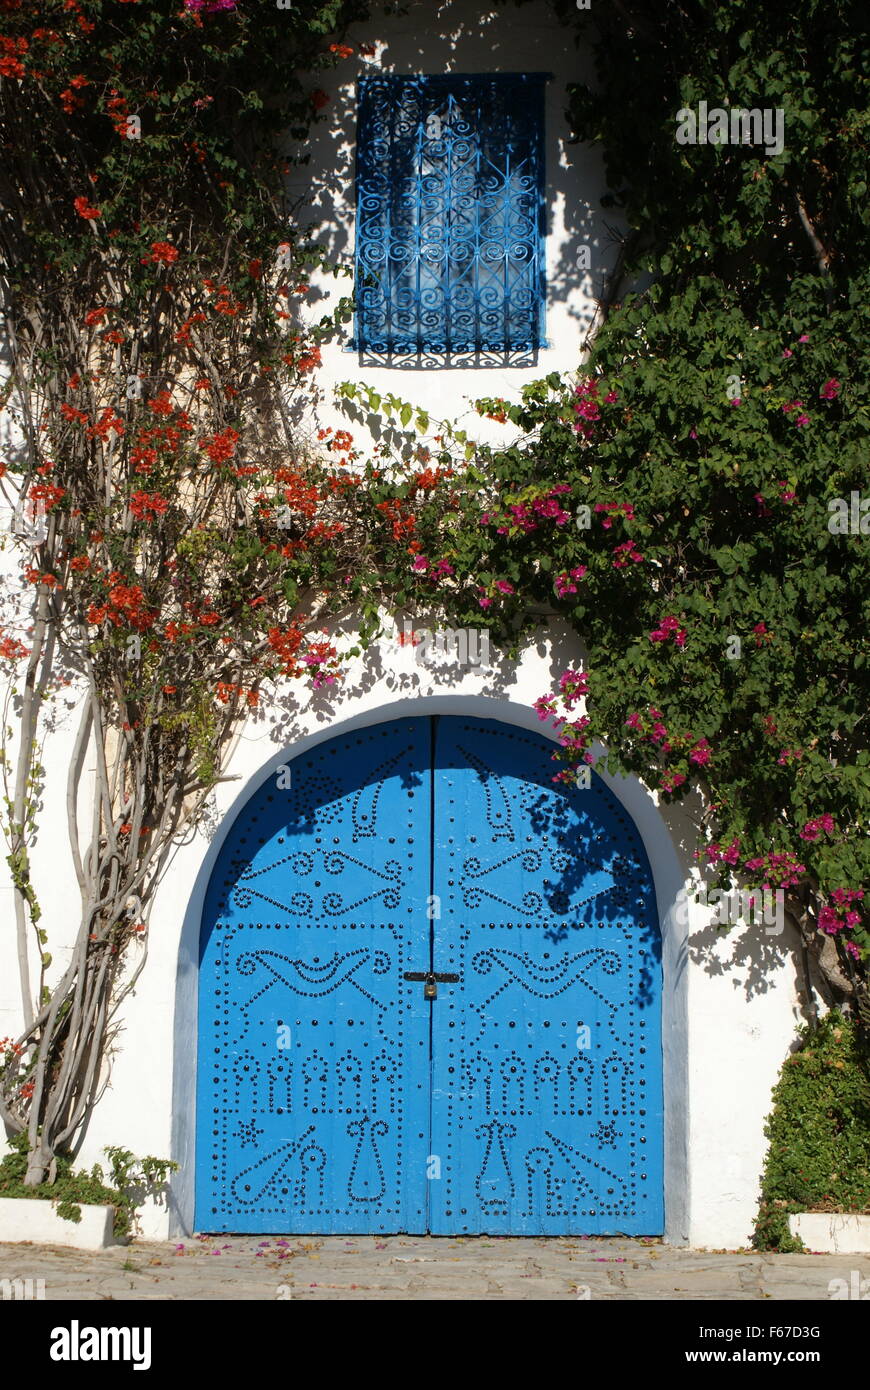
450 220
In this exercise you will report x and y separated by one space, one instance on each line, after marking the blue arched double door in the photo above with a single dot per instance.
335 1094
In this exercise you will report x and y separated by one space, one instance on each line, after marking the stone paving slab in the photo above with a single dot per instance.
396 1268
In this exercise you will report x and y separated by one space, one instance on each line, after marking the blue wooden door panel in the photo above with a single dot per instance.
527 1097
313 1091
547 1085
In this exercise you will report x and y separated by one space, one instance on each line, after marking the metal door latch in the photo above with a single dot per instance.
431 981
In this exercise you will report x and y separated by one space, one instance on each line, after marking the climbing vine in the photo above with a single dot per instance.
691 501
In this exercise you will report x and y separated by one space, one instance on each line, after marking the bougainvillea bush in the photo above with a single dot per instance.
695 501
686 536
177 539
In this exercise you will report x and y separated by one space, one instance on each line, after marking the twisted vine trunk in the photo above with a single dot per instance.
65 1043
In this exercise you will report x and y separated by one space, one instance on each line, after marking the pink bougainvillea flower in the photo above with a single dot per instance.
625 553
787 754
545 705
563 583
847 895
715 853
701 753
669 627
672 780
830 390
829 921
573 687
813 828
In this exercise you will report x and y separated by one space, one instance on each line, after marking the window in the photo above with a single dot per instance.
450 220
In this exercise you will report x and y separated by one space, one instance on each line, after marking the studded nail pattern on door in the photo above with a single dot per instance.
313 1055
547 1079
526 1095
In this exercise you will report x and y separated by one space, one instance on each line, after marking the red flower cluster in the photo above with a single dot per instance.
69 98
226 689
299 496
221 447
145 506
430 478
285 643
161 404
126 604
33 576
86 25
163 253
117 108
183 334
45 493
10 62
224 304
11 650
108 421
403 525
84 209
306 363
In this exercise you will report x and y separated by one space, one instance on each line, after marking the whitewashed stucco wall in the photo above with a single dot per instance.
729 1002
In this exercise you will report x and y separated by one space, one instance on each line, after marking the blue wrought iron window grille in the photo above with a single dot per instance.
450 220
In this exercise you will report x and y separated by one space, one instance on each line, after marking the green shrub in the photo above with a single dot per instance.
819 1133
131 1178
